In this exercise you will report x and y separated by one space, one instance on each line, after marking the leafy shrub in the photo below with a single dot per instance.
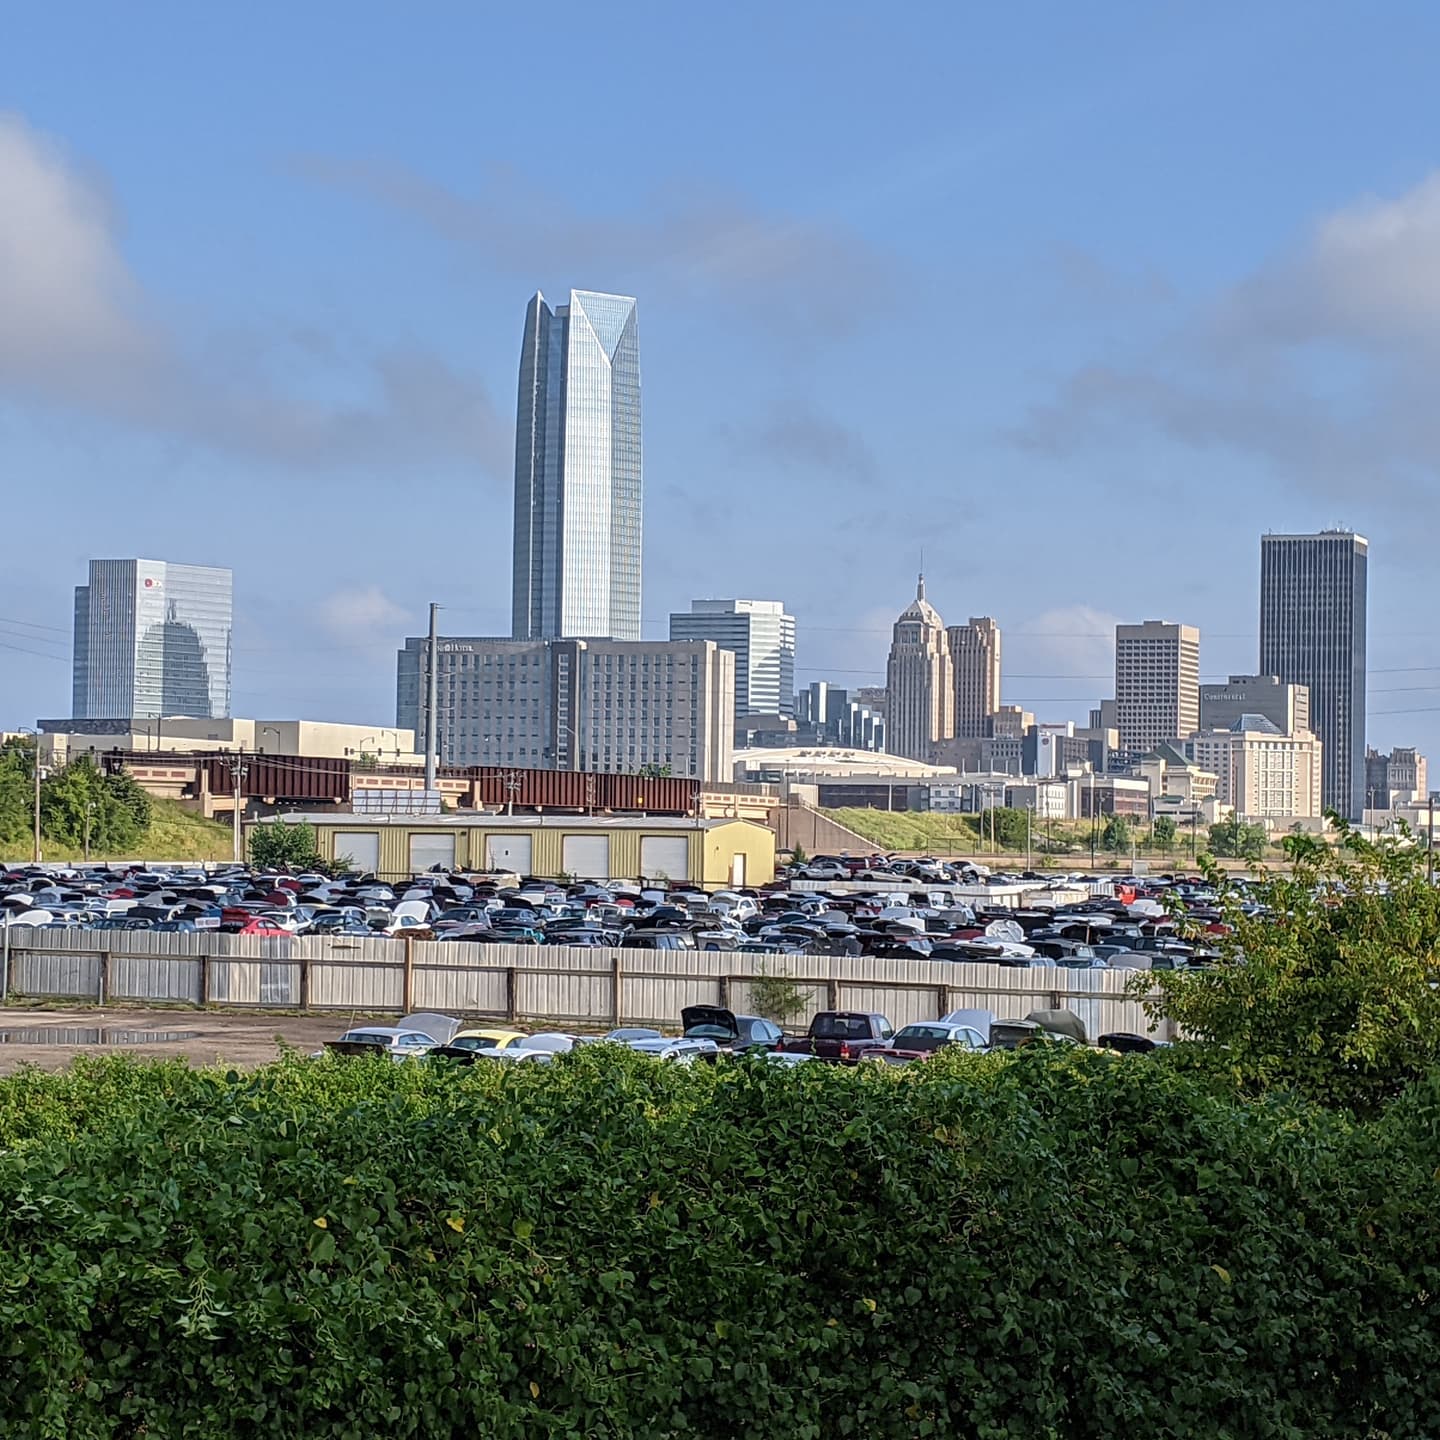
1054 1243
1333 989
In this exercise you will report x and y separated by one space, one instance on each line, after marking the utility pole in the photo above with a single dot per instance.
432 691
1094 815
1430 842
1028 810
38 777
89 812
238 771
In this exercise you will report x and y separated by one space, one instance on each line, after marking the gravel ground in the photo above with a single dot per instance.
211 1037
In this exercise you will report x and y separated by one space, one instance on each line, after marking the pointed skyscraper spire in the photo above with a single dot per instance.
920 587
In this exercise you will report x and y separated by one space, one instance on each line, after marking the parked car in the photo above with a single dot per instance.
916 1042
391 1040
733 1034
842 1036
659 940
683 1050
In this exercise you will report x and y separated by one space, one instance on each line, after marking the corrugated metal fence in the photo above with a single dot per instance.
556 985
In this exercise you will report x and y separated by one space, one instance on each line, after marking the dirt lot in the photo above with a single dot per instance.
231 1039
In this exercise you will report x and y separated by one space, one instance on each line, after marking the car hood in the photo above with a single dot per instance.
722 1019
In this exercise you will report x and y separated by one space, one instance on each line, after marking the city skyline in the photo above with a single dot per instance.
326 399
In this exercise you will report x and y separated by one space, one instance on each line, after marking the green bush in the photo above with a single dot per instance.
1332 989
1054 1243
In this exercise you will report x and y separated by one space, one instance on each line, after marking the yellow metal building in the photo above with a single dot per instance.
713 853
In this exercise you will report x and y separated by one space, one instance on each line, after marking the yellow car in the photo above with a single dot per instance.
464 1044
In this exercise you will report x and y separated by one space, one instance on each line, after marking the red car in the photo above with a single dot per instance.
915 1042
265 929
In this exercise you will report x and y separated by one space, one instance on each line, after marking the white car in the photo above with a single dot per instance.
533 1049
681 1051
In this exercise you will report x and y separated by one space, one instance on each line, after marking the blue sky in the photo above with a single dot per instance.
1078 300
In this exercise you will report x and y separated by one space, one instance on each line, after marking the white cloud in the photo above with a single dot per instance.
1071 640
77 329
1320 364
362 616
66 297
1368 274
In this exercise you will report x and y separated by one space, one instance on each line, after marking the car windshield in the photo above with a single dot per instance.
709 1032
920 1037
365 1037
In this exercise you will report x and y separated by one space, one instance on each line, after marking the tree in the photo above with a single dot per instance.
1165 832
78 804
655 772
776 997
1238 841
17 772
1115 837
284 846
1331 988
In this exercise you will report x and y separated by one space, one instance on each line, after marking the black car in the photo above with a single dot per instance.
734 1034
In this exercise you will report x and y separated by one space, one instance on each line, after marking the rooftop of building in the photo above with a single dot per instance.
837 760
471 819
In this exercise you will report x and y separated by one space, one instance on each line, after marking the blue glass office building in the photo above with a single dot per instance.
578 471
152 639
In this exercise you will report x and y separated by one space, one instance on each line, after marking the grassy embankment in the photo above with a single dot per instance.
175 834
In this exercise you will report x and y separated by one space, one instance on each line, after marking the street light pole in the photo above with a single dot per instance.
1430 842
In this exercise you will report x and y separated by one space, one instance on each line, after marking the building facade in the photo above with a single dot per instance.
610 706
1157 683
827 714
761 636
578 484
919 681
1400 777
1263 773
152 639
975 657
1284 705
1313 599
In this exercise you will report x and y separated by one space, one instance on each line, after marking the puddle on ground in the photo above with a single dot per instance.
93 1035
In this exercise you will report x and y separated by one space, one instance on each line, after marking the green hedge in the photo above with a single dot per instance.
1051 1244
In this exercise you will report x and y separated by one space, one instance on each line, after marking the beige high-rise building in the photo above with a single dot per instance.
609 706
1264 773
919 681
1157 683
975 655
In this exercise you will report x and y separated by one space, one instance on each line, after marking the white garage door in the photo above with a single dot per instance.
664 857
586 857
362 847
427 850
508 852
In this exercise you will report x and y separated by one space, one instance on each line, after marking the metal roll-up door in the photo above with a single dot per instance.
664 857
361 848
428 849
586 857
508 852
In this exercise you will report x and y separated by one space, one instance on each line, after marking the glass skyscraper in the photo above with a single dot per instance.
1312 632
761 636
577 471
152 639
